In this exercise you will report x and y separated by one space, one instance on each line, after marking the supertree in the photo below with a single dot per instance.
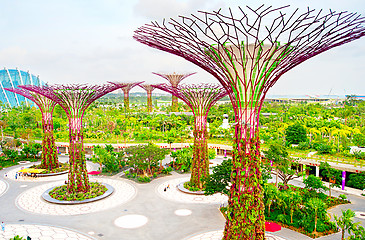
247 52
74 99
46 106
126 88
149 88
174 79
200 98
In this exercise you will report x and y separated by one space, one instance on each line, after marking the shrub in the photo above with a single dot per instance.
282 218
166 170
144 179
211 153
356 180
342 196
304 146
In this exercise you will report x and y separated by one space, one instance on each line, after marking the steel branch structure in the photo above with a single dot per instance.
200 98
247 52
46 106
174 79
149 89
74 99
126 87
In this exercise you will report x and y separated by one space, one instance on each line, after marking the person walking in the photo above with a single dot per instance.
3 226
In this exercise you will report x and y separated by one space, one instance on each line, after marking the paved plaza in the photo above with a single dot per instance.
41 232
134 211
31 201
169 191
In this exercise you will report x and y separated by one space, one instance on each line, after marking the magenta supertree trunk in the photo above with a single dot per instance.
126 87
149 89
74 99
46 106
247 52
200 98
174 79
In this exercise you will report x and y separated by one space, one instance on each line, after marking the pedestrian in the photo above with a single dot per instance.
168 186
164 190
3 226
16 175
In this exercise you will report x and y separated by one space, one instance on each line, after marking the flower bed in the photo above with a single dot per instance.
60 193
62 168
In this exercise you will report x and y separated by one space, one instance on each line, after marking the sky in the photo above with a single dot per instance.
91 41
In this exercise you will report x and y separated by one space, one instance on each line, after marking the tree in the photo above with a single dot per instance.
359 139
145 158
296 133
314 183
345 222
294 200
220 178
270 195
333 176
284 165
318 208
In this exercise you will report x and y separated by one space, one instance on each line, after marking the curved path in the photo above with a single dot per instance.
31 201
41 232
174 194
3 187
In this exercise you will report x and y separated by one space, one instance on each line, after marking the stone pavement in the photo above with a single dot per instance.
41 232
31 201
173 194
3 187
218 235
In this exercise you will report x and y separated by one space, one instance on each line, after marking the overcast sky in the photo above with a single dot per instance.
90 41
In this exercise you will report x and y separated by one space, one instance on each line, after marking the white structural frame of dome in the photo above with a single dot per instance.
11 78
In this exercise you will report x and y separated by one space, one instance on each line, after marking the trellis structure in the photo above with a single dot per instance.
126 87
74 99
46 106
149 89
174 79
247 52
200 98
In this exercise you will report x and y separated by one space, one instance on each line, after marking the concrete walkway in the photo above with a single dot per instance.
135 212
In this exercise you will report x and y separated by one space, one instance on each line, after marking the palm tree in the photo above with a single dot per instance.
345 222
318 207
271 194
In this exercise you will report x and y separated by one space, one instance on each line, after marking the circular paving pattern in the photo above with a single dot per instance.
131 221
172 193
218 235
183 212
3 187
360 215
31 200
41 232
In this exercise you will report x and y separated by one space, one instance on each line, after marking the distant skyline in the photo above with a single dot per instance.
91 42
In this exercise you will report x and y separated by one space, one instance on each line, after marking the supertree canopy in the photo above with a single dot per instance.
247 51
174 79
149 88
74 99
49 151
126 87
200 98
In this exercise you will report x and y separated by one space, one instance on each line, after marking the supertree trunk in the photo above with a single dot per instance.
200 163
174 104
78 180
49 151
149 101
126 101
245 211
46 106
200 98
